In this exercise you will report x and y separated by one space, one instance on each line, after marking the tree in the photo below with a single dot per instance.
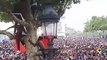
31 22
96 23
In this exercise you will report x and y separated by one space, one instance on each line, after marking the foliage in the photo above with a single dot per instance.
96 23
7 4
4 17
59 5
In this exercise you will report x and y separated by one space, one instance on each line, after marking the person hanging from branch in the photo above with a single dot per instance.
19 32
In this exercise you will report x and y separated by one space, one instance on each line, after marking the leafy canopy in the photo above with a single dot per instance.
96 23
59 5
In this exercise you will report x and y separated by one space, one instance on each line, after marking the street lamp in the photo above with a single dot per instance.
49 20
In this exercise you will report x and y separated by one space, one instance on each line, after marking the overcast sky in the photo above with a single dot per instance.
76 16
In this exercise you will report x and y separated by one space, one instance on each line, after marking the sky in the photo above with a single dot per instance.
4 26
76 16
79 14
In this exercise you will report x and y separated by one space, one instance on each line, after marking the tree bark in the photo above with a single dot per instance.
25 9
31 50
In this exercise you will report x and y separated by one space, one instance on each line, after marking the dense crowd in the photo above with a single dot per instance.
81 49
7 51
69 49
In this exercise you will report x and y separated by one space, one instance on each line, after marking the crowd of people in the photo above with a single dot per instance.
69 49
81 49
7 51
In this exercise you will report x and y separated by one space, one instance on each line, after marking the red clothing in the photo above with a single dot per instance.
22 48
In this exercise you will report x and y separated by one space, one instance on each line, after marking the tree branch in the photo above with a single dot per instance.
61 11
16 19
10 27
7 33
36 23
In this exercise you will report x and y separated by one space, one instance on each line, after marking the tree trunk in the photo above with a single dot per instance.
31 50
31 30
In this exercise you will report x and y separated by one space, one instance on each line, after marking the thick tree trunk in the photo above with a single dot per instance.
31 30
31 50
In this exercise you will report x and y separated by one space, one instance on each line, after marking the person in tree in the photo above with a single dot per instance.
19 32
